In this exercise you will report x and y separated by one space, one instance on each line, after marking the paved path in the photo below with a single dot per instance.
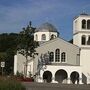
51 86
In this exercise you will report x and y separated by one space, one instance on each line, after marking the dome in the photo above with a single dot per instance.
46 27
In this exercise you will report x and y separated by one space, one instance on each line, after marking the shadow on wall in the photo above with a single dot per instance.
84 79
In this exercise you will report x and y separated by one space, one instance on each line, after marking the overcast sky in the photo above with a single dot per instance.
16 14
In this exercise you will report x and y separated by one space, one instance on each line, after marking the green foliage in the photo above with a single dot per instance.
27 45
8 41
11 42
71 41
8 44
26 41
2 56
19 74
10 84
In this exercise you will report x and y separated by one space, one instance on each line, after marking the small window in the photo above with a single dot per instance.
83 24
43 37
83 40
51 57
57 55
88 24
88 42
63 57
53 36
36 37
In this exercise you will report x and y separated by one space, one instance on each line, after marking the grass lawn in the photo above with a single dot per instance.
10 84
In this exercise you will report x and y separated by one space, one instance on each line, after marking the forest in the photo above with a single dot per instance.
8 44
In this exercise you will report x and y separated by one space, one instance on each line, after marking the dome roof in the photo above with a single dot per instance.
46 27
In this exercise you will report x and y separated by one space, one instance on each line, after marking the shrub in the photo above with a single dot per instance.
27 79
10 84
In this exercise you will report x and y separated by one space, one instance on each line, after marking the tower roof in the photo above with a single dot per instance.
46 27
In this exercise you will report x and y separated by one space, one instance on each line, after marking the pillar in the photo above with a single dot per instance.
53 78
40 79
80 78
68 79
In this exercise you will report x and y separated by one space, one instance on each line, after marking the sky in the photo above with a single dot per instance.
16 14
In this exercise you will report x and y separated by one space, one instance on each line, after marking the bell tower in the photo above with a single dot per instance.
81 30
81 38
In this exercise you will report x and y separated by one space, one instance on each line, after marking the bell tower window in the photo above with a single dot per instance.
83 40
43 37
83 24
88 24
52 36
88 42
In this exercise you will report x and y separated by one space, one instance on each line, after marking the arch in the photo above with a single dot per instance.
83 24
88 24
83 40
63 57
61 76
52 36
57 55
51 56
47 76
74 77
43 36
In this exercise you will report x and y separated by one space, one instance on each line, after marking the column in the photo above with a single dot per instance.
68 79
40 79
80 78
53 79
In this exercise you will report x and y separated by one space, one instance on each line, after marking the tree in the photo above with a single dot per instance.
8 40
71 41
8 44
9 62
27 45
2 59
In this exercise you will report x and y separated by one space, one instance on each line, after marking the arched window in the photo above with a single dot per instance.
53 36
88 24
51 57
57 55
63 57
83 24
88 42
83 40
43 37
36 37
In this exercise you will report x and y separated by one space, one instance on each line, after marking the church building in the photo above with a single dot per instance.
59 61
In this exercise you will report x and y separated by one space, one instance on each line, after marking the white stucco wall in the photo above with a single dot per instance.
19 61
30 69
54 69
77 23
48 35
85 62
68 69
78 31
77 39
15 64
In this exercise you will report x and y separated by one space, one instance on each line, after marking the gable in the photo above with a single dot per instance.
72 51
58 43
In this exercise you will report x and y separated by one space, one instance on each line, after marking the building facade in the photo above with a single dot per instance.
81 38
59 61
